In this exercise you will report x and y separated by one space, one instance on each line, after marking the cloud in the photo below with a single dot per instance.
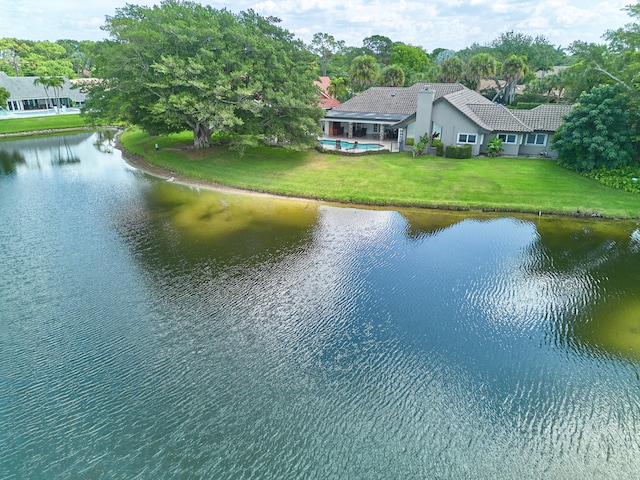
454 24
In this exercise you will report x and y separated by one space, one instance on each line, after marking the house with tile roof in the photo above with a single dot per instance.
25 95
325 101
449 111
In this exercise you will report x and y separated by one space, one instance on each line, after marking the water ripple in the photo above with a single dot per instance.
357 347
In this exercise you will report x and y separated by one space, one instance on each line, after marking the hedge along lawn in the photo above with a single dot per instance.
28 124
506 184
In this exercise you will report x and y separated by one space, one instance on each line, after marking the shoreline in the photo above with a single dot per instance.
46 131
142 164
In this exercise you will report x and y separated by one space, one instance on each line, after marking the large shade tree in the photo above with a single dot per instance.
181 65
408 56
325 46
10 61
379 46
539 53
598 131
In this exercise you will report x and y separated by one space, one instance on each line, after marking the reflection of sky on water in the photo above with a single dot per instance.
471 315
43 155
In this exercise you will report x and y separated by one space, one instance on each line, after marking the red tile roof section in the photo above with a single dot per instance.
325 101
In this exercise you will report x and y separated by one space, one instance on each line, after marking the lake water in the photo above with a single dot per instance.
151 330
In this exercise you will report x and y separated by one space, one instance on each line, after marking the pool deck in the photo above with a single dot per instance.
391 145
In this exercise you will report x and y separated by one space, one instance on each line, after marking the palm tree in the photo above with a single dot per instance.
480 66
51 82
338 88
44 81
364 71
451 70
392 76
56 83
513 69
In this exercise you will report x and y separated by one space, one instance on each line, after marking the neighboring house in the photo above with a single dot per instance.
326 101
450 111
25 95
497 85
553 71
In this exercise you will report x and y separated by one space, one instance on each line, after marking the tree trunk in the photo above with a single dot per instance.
201 136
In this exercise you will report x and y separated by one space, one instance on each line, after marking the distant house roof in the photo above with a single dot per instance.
553 71
23 88
491 83
326 100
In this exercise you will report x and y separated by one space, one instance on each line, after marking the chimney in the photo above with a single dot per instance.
423 112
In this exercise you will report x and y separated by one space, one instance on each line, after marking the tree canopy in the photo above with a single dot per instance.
325 45
33 59
379 46
392 76
598 131
479 67
513 69
181 65
451 69
4 96
364 71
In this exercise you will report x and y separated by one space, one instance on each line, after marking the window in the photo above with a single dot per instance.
539 139
471 138
376 128
508 137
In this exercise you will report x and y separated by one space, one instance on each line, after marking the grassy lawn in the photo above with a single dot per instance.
507 184
15 125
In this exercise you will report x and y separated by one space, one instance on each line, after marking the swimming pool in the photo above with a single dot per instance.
351 145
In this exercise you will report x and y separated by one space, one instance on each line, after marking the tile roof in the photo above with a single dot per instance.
394 100
400 104
325 101
489 116
323 83
22 88
546 118
497 118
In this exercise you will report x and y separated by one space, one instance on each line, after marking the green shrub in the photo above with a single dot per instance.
437 144
455 151
625 178
418 148
527 105
494 148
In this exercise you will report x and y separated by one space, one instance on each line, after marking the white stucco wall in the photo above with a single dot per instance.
453 123
508 149
538 150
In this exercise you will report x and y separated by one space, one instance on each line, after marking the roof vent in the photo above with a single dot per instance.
393 94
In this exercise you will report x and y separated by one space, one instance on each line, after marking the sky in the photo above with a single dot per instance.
451 24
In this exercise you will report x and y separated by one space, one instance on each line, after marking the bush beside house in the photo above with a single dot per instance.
455 151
